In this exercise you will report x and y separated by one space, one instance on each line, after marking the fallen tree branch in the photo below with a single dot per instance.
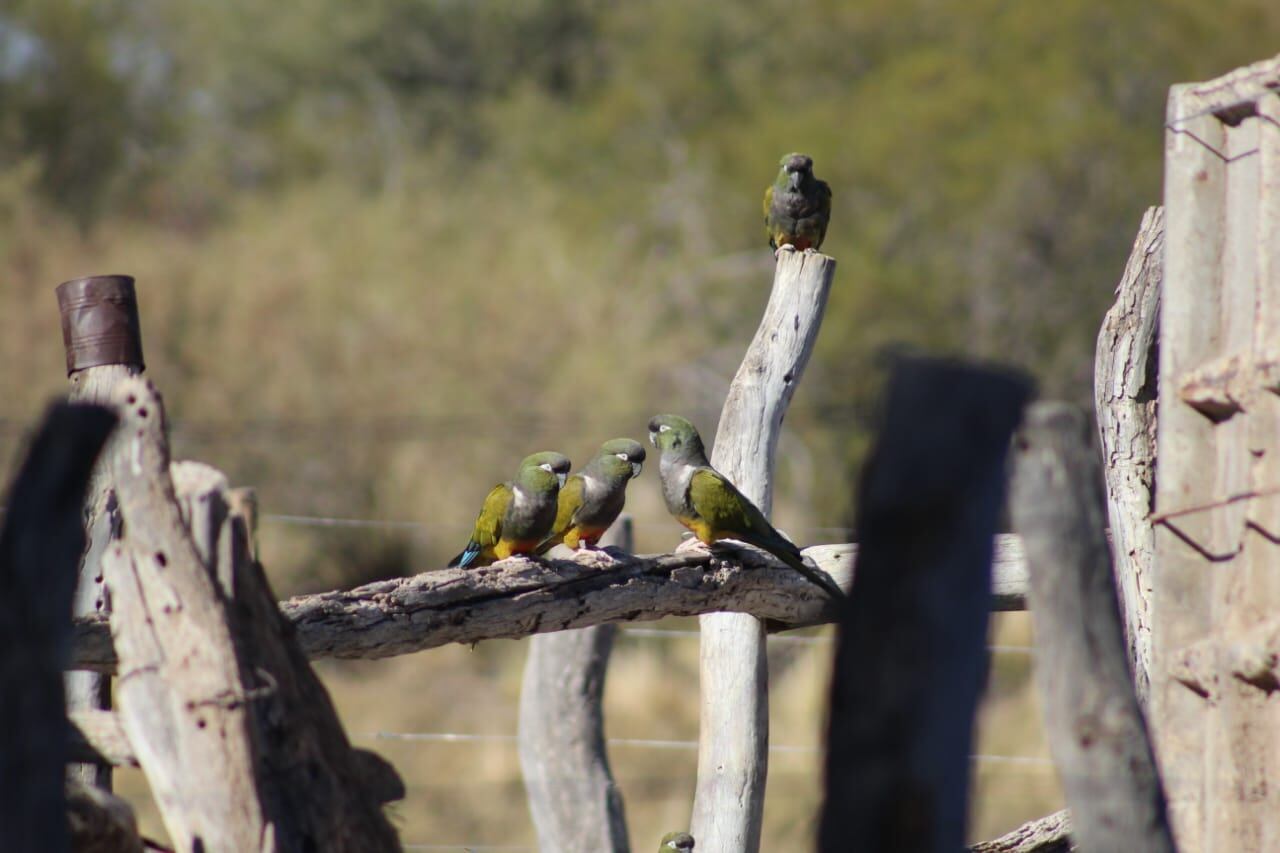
518 597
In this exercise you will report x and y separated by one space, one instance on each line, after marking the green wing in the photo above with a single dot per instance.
489 523
567 506
725 509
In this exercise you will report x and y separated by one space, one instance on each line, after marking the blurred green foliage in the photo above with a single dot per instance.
385 249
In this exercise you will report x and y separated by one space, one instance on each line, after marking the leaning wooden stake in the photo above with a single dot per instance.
40 547
1124 388
103 341
728 804
911 653
1096 730
236 736
575 803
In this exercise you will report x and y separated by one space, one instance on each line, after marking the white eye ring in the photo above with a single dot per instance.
623 457
663 428
546 466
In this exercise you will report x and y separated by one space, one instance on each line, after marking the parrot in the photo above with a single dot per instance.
797 207
679 842
518 515
703 499
591 500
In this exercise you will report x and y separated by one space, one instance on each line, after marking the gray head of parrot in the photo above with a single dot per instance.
677 438
797 168
676 841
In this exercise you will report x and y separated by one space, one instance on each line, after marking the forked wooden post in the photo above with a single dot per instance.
1095 725
733 742
238 739
102 337
575 803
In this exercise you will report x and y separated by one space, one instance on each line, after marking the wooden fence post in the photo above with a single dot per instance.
1095 726
1217 518
575 803
41 543
1124 388
102 337
733 739
237 737
911 653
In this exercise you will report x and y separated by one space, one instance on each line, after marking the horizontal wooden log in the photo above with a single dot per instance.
1050 834
98 737
519 597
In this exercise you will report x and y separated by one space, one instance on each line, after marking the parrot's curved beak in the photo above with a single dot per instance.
636 468
795 178
562 477
653 437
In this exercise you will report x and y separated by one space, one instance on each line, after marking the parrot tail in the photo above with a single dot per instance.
467 557
790 554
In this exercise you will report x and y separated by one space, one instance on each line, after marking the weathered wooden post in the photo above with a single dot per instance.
40 548
236 735
102 337
1124 388
575 803
733 739
911 653
1217 515
1094 722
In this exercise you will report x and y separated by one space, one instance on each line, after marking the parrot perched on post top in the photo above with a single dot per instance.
518 515
703 499
592 499
676 842
797 207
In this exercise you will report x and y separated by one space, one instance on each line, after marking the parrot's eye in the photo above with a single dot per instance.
624 457
663 428
546 466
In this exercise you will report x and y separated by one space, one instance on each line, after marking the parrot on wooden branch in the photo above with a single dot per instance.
592 499
676 842
797 207
518 515
703 499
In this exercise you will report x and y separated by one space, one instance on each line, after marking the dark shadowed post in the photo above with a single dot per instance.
911 653
1095 726
40 547
102 336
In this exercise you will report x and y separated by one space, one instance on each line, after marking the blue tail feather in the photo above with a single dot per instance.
467 557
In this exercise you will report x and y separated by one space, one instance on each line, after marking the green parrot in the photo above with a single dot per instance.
517 516
703 499
591 500
681 842
797 207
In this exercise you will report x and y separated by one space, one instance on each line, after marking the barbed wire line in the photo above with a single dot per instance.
653 743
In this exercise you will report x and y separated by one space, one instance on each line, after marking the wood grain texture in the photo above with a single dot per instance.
575 804
518 597
1049 834
182 699
911 655
92 690
1095 725
41 543
1125 405
1187 468
728 804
